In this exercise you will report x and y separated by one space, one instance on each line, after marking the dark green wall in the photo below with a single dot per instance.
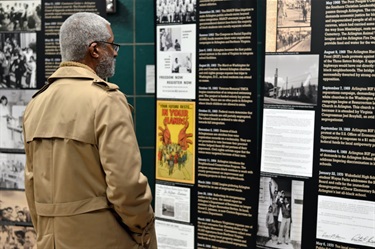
133 27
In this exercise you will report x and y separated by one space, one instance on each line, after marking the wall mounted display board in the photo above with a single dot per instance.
288 166
206 158
318 125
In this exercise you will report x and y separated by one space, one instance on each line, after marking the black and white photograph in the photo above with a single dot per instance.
12 107
20 15
280 213
176 11
296 39
168 209
172 202
12 170
13 208
181 63
291 80
176 52
17 237
110 6
18 60
292 13
170 39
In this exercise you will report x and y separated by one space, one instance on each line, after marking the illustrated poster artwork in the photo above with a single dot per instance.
175 141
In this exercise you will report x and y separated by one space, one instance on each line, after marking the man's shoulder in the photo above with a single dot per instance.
107 86
78 79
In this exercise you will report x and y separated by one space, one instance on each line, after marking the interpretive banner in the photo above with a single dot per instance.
284 131
318 124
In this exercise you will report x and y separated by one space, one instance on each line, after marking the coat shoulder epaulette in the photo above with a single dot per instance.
41 90
105 85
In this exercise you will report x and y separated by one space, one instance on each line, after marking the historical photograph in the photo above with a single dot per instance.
13 207
280 213
181 63
110 6
17 237
18 60
293 13
12 107
288 26
294 39
20 15
170 39
12 170
291 80
175 11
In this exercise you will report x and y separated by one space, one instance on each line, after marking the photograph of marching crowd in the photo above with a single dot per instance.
20 15
176 11
18 60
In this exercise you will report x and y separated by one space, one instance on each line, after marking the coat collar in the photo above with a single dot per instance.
76 70
72 69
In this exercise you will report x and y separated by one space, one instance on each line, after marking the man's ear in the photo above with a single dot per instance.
93 50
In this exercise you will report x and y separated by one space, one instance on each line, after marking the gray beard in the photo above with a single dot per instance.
106 67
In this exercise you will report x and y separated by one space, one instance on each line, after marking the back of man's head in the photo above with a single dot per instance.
78 31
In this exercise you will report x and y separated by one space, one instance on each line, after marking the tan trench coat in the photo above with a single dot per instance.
82 179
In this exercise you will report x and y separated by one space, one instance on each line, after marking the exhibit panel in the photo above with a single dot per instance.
284 123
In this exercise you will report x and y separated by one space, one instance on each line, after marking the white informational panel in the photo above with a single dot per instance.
176 61
172 202
346 220
172 235
288 141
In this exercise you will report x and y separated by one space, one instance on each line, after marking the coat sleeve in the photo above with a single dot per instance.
29 184
127 188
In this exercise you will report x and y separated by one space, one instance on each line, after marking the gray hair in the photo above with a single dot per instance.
78 31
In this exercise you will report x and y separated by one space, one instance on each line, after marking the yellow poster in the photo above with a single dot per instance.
175 141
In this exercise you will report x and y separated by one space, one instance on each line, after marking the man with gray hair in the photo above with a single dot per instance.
83 179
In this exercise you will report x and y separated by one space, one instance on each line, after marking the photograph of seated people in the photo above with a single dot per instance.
175 11
20 15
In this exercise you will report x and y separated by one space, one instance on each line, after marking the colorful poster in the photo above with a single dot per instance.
175 141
